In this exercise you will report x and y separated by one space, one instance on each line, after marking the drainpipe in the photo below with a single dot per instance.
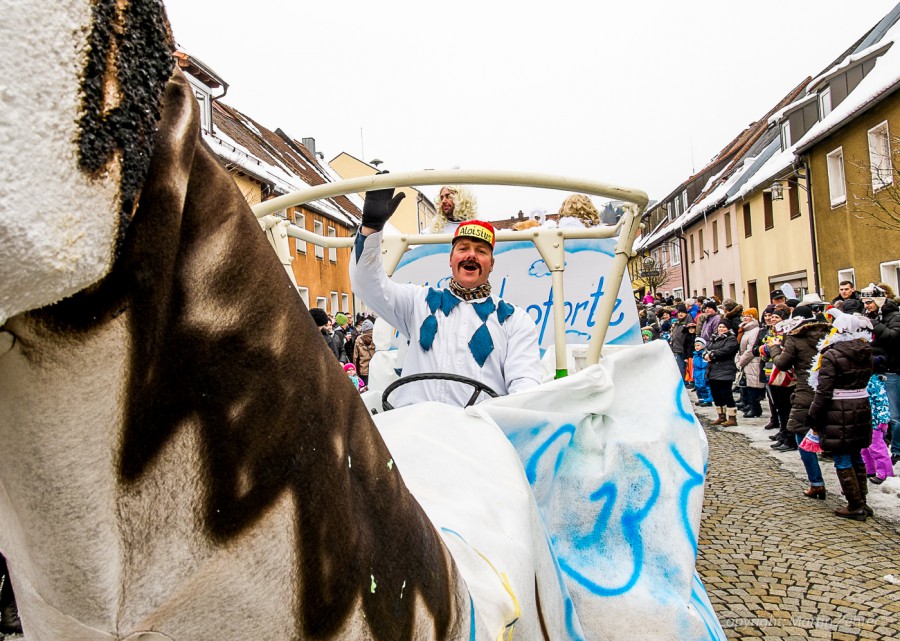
685 273
812 226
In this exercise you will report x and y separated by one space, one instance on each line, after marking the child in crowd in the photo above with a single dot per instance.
701 386
646 335
876 456
350 368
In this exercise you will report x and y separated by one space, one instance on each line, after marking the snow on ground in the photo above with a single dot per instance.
884 499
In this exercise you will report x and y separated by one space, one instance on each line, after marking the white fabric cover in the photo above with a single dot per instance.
616 460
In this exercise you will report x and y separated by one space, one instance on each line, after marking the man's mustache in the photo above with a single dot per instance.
472 263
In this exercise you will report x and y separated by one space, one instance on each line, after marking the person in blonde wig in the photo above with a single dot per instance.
455 204
578 211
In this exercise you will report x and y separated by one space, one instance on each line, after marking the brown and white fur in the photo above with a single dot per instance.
167 460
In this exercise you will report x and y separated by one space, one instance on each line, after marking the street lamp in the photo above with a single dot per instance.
777 190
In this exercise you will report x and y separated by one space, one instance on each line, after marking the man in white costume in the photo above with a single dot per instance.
463 329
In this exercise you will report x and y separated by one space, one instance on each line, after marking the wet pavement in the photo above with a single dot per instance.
778 565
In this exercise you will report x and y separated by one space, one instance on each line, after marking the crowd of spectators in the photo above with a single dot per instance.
829 374
351 343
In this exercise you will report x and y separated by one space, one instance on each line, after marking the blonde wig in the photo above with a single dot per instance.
580 206
465 208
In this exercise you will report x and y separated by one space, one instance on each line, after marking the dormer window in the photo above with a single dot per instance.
785 134
824 102
202 94
203 82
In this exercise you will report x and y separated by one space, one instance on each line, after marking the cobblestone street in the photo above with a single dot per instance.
778 565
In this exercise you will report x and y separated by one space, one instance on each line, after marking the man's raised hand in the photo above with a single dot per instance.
379 206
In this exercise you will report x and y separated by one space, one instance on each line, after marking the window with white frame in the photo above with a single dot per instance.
319 228
300 221
332 251
824 102
837 184
785 134
675 253
304 295
678 292
345 303
203 95
880 156
684 200
334 303
890 274
322 303
847 274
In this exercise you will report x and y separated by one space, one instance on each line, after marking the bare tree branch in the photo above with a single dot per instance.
879 208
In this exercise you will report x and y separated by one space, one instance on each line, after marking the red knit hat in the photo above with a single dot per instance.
477 229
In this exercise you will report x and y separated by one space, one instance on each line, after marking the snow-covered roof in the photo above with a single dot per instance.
761 159
276 159
880 81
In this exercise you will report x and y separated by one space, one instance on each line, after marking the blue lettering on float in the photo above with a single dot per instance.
572 308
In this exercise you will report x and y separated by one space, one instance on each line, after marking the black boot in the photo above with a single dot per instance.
9 613
754 406
850 486
863 487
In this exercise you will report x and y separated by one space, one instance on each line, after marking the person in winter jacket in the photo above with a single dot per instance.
325 327
720 353
364 349
708 320
796 351
840 413
733 313
752 388
350 370
779 395
887 343
680 339
876 456
701 367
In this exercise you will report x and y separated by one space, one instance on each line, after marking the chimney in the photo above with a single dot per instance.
310 143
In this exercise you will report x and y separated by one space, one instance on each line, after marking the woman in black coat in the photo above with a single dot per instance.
796 352
720 353
840 413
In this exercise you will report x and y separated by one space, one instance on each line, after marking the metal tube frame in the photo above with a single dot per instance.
550 243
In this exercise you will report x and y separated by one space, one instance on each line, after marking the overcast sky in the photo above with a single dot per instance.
639 94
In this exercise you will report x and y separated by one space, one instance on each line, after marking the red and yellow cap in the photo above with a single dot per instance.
477 229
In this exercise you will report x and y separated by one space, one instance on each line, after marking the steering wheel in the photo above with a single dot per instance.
426 376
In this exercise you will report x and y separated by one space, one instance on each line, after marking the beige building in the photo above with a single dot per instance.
415 211
776 248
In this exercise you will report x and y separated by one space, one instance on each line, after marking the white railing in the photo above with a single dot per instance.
550 243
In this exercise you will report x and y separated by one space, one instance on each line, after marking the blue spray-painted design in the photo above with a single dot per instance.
700 600
630 526
573 625
695 479
682 403
535 459
471 619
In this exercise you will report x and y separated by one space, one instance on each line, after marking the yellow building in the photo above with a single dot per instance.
415 211
856 196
